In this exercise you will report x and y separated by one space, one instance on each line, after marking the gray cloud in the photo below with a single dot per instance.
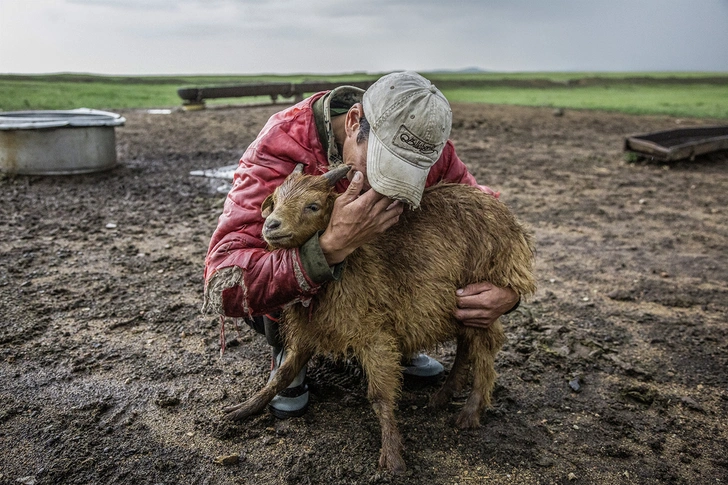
248 36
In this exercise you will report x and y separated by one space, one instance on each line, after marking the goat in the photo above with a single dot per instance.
396 295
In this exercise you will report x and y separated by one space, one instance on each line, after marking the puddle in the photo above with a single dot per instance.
217 174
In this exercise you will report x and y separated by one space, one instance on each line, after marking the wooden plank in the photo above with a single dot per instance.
198 94
273 89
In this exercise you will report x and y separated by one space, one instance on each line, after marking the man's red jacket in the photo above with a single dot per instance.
244 278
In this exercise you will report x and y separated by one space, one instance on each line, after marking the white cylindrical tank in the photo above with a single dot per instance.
58 142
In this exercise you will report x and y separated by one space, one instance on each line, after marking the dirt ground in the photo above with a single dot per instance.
615 373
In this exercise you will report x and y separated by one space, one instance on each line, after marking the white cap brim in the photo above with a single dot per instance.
393 176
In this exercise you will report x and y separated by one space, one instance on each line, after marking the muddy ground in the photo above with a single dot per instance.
615 373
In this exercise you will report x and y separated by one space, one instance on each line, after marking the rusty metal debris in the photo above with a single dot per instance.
678 144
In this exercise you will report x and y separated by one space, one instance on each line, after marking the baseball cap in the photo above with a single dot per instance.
410 122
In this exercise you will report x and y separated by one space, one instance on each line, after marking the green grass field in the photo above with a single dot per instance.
700 95
698 101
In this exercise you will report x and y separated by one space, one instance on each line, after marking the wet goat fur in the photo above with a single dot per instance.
396 296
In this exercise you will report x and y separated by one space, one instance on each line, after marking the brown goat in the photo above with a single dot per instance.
397 295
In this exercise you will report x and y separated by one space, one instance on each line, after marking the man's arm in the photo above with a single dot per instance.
242 277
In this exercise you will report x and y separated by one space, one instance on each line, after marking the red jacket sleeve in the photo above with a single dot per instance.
242 277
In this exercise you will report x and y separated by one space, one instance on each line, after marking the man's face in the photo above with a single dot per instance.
355 156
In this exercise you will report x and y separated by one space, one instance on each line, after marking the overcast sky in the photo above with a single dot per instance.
337 36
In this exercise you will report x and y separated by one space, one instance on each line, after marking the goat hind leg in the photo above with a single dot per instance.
286 373
483 346
456 378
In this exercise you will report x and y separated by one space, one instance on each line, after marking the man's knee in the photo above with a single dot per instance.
257 324
272 333
267 325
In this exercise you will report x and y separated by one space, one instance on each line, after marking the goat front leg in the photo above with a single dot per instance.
286 373
380 361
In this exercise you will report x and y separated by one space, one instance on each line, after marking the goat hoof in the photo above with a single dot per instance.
439 400
237 415
468 420
393 463
230 409
239 411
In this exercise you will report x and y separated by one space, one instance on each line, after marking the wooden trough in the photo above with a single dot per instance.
679 144
194 97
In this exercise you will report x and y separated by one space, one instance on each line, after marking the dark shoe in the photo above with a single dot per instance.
292 401
422 368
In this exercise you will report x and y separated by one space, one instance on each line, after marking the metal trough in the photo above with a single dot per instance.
58 142
680 143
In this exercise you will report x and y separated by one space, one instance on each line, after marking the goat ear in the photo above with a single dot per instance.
298 169
267 206
336 174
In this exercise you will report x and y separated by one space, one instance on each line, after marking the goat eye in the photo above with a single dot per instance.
313 207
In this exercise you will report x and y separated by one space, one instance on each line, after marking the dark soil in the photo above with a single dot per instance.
615 373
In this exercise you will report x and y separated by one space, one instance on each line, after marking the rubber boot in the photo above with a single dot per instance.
292 401
421 368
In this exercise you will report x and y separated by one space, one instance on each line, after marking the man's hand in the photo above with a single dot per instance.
480 304
357 219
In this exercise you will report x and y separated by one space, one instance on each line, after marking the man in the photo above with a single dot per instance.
394 137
